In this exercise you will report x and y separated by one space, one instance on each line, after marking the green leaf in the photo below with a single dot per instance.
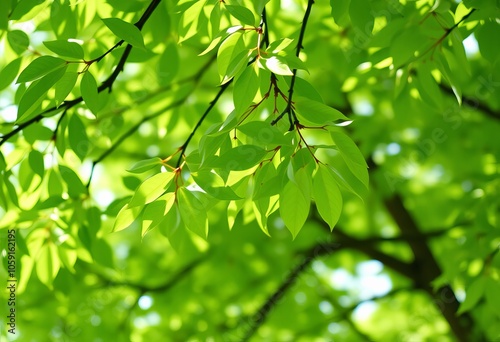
406 44
459 51
214 185
240 158
230 48
155 212
18 41
487 33
327 195
102 253
75 185
126 217
40 67
54 185
241 13
131 182
88 88
77 136
429 89
352 156
263 134
340 11
192 212
278 66
316 112
126 31
65 48
361 15
245 88
47 264
145 165
294 207
64 86
268 181
34 95
9 73
37 132
151 189
279 45
168 64
474 293
36 162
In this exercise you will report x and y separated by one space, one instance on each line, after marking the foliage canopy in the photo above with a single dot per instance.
200 169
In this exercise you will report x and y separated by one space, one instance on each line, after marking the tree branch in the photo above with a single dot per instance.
472 102
318 250
289 110
200 121
107 84
222 89
427 270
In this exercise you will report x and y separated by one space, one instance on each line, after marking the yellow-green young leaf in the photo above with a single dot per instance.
35 94
229 49
241 13
294 208
68 257
245 88
126 217
151 189
277 65
214 185
155 212
88 88
26 271
9 73
65 48
40 67
316 112
279 45
260 208
352 156
47 264
192 212
145 165
327 195
126 31
77 136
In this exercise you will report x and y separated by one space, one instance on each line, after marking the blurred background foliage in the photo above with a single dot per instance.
419 79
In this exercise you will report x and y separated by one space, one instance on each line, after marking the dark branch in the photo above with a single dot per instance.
200 121
321 249
222 89
107 84
260 316
440 40
472 103
289 110
427 270
174 280
130 132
